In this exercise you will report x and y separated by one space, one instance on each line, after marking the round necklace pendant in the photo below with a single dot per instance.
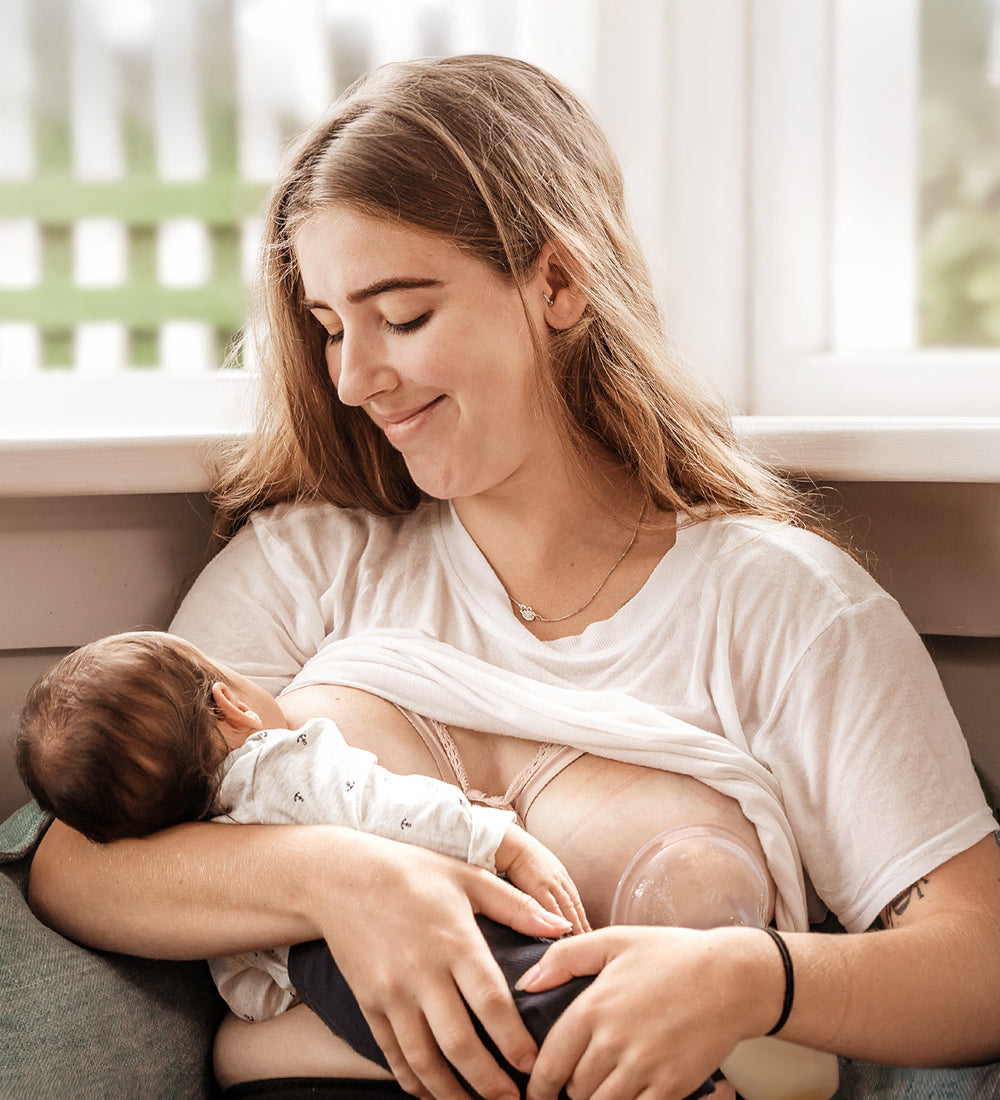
529 614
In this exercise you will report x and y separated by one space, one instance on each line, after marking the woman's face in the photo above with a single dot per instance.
434 345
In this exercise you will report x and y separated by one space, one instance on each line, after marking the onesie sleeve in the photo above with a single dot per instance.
312 776
875 773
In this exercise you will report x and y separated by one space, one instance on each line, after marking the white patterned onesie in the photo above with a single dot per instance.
311 776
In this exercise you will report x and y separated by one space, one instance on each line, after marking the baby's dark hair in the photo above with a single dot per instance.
120 738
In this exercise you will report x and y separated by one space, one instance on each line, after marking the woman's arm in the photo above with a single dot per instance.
398 919
190 892
926 991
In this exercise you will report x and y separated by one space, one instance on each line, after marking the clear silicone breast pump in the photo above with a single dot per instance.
699 876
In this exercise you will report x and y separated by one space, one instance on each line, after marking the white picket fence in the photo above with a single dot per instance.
137 140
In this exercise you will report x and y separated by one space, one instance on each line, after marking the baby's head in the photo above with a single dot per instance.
125 736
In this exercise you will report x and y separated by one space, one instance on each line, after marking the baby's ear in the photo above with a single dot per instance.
236 719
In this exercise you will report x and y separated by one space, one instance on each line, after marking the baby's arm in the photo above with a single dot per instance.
312 776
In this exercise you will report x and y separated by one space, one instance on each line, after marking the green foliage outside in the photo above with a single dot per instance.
959 275
142 201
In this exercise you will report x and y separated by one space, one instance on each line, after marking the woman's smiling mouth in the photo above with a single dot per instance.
400 427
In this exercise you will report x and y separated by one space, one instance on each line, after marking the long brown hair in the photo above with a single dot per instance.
499 158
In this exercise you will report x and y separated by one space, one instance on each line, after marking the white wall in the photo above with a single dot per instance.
75 568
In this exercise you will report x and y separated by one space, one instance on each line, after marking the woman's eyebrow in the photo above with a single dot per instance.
383 286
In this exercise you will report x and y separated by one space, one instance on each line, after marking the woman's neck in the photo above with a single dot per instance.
567 537
566 510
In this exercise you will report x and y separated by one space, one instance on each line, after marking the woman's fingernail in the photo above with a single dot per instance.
527 977
527 1063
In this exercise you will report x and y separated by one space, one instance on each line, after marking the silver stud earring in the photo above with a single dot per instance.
548 301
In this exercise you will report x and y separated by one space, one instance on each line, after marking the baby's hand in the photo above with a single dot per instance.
531 867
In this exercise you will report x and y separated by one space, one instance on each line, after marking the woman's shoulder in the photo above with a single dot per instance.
313 535
288 558
304 522
773 557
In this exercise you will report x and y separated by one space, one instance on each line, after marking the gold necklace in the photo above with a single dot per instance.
530 615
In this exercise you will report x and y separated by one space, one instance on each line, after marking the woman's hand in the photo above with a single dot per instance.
406 941
664 1011
531 867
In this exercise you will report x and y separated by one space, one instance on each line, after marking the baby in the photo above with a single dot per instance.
137 732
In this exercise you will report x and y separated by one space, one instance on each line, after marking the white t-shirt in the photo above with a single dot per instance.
760 633
312 776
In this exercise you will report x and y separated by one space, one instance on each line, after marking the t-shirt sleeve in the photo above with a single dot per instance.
312 776
875 773
254 607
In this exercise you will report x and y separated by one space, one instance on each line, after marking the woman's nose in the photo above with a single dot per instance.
358 369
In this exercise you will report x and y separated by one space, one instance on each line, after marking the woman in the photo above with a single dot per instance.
474 430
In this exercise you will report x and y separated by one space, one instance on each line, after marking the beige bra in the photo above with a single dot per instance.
525 787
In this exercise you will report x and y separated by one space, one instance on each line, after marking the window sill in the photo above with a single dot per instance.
148 434
116 434
879 448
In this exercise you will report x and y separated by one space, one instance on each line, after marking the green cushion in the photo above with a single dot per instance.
863 1081
89 1024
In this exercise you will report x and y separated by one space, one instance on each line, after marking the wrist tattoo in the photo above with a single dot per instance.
899 904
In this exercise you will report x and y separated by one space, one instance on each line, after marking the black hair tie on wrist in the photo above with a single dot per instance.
786 959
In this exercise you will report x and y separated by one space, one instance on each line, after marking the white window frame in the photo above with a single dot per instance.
833 91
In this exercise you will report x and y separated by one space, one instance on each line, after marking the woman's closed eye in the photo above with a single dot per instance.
409 326
400 329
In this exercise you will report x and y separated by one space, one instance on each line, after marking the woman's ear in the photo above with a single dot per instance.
562 298
236 720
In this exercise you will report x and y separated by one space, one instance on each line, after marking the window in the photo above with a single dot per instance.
874 278
139 141
821 241
959 216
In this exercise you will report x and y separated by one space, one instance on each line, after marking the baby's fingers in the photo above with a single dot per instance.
544 878
573 909
566 901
